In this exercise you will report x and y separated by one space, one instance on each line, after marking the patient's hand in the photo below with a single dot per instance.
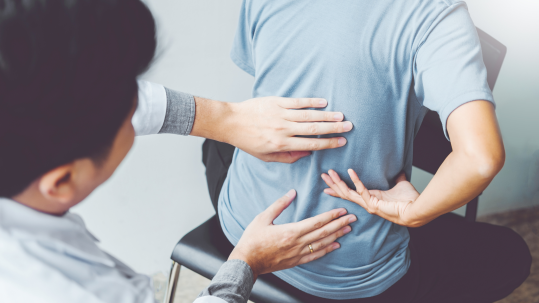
390 204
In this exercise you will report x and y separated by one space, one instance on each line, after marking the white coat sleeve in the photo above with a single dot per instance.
151 110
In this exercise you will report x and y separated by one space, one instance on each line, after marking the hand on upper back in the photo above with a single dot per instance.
390 204
267 128
267 247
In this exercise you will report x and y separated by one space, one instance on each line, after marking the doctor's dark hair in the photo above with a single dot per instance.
68 72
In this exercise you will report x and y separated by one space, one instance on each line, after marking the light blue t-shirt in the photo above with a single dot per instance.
382 63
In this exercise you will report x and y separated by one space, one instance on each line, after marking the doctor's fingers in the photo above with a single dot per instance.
319 128
309 225
322 243
317 254
312 116
329 229
297 103
311 144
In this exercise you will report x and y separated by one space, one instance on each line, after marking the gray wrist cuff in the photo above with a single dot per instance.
180 114
232 283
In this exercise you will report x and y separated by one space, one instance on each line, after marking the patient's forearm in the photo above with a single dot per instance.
458 180
478 155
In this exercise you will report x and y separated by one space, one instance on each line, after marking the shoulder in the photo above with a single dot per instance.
26 279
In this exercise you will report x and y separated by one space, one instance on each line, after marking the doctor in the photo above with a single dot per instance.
70 107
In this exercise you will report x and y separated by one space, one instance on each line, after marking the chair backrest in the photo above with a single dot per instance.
430 145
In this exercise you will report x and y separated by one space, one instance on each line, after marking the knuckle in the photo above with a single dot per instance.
318 225
279 144
313 146
296 102
278 126
324 233
313 129
305 116
289 236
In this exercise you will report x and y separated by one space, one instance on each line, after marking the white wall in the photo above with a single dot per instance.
159 193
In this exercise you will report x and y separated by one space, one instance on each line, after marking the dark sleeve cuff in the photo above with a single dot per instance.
232 283
180 114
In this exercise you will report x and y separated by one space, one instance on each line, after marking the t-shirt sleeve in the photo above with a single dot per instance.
449 69
242 48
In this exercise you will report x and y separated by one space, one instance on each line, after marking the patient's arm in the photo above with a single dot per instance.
478 155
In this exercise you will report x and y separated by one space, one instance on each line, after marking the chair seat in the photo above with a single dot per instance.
206 248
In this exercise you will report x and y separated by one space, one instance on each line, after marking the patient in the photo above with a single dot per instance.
383 64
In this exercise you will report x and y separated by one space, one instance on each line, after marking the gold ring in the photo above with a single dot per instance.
311 248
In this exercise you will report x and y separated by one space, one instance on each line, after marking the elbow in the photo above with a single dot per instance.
416 223
488 165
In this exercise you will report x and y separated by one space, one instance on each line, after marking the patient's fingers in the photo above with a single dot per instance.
332 185
308 144
343 188
285 157
360 188
312 116
320 128
301 102
331 192
328 229
308 225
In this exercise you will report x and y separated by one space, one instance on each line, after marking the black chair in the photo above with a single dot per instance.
206 248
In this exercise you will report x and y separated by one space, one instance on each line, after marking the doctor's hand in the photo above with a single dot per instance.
267 127
266 247
391 205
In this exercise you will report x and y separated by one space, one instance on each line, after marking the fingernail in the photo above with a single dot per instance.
352 219
343 212
347 126
338 116
291 193
323 102
342 141
347 229
336 245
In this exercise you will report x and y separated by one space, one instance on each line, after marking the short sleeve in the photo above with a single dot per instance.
242 47
449 70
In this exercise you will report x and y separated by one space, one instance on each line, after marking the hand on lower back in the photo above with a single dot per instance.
390 204
267 247
267 128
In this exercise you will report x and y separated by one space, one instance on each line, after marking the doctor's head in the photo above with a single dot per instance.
68 89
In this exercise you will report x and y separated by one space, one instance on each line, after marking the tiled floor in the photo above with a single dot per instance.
525 222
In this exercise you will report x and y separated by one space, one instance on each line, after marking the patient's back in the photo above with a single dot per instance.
381 63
